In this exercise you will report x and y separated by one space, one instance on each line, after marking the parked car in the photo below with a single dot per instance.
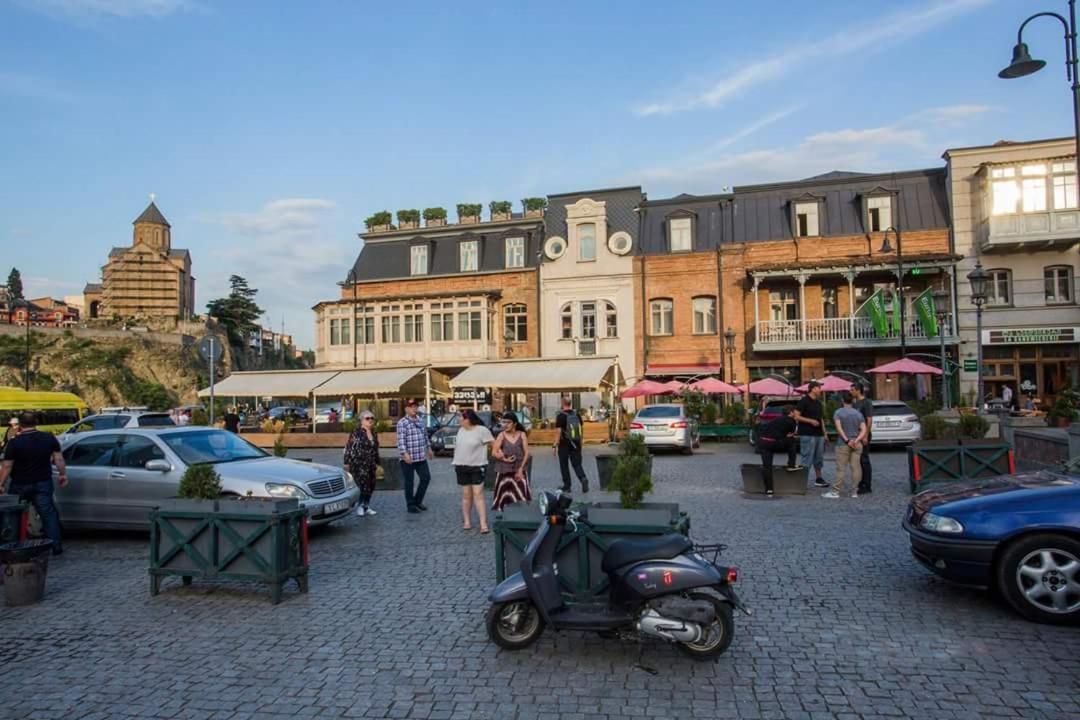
444 433
323 414
894 423
667 426
286 412
118 420
1018 534
117 477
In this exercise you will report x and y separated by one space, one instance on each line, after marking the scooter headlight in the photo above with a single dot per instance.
543 502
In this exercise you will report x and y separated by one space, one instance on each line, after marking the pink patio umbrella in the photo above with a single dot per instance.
712 386
671 387
830 383
645 387
905 366
769 386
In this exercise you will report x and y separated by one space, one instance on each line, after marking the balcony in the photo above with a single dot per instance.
1030 230
845 332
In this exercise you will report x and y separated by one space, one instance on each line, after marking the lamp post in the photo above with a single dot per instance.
729 348
940 298
508 337
1022 64
887 248
352 281
978 279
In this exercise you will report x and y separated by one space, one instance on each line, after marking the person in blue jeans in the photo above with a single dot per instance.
28 461
414 449
809 415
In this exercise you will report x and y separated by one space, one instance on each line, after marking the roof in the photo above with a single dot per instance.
835 175
92 288
152 215
1008 143
601 191
583 374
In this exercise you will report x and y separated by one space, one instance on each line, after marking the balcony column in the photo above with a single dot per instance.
851 303
802 278
757 310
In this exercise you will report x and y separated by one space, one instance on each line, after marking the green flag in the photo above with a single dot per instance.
874 308
896 300
924 306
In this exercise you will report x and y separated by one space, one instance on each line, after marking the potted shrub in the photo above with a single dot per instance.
379 222
973 427
1063 412
500 210
948 453
632 474
468 213
534 206
434 216
608 462
408 219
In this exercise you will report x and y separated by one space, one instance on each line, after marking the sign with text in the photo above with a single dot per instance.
971 365
471 396
1031 336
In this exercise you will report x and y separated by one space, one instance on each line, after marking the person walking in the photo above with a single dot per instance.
865 406
568 445
28 461
362 460
511 451
851 433
777 436
470 460
232 421
415 451
9 432
808 413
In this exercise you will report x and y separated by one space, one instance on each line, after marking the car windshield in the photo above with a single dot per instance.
210 446
161 420
660 411
450 420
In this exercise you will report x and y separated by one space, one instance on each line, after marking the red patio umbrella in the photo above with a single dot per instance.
645 387
830 383
712 386
769 386
905 366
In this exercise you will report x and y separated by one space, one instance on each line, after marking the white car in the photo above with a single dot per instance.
666 426
115 420
894 423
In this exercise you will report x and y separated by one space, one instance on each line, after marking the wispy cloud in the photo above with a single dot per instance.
898 26
112 8
760 124
33 87
288 216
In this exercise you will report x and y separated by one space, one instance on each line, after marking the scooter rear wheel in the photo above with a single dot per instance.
514 625
717 635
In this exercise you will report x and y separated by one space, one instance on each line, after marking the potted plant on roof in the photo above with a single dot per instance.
434 216
534 206
201 534
408 219
379 222
469 213
500 210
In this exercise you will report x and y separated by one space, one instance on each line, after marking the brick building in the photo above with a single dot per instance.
45 312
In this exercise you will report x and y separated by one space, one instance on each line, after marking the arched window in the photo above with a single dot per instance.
705 315
662 314
566 318
515 322
1058 280
611 320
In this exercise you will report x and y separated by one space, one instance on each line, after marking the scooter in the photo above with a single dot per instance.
663 587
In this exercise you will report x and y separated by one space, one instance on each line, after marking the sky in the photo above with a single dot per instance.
269 129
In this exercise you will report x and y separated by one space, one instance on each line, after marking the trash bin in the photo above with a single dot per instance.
25 566
13 519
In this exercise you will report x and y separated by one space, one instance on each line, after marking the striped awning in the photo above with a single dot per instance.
581 374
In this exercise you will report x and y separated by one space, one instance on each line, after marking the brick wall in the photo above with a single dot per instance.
680 278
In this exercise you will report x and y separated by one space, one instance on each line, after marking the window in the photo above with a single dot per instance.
830 308
414 325
469 325
680 229
704 316
783 305
999 290
92 452
470 255
1033 188
1064 182
365 330
566 319
419 260
878 213
1059 285
662 313
345 339
611 320
335 332
391 328
806 219
136 451
586 237
515 252
588 320
515 322
1005 191
442 325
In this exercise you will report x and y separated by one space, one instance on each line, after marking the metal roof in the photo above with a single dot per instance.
152 215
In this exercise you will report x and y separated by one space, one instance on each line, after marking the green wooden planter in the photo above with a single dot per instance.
605 468
256 540
580 553
724 432
934 462
489 473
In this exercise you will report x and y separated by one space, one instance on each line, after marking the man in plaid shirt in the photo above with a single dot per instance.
415 451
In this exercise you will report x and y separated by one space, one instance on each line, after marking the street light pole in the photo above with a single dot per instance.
887 248
978 279
940 298
1022 65
729 348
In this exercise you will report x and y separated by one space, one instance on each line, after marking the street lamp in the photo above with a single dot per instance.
941 297
887 248
729 348
978 279
1022 64
351 279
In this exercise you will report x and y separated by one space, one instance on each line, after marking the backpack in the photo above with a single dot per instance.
572 432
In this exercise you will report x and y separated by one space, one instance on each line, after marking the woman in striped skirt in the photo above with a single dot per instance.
511 452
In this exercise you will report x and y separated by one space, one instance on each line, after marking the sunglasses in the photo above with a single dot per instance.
367 419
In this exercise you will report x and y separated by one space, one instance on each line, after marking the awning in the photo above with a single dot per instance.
587 374
383 381
275 383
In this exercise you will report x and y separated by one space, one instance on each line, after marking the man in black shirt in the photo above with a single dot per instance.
568 445
232 421
773 437
864 405
28 460
808 413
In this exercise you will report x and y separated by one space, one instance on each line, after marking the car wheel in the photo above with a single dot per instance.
1040 577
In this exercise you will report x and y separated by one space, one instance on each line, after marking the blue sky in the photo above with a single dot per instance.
270 129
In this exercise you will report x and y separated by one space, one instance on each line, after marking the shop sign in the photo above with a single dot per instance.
1031 336
971 365
471 396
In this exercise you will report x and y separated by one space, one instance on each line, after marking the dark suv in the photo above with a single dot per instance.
442 440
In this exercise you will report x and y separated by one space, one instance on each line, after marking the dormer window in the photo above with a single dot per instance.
470 255
680 231
418 264
586 237
807 219
879 213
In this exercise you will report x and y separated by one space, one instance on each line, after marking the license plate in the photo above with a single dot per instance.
657 428
890 423
335 507
449 442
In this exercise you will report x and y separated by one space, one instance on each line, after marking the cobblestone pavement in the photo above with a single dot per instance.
846 625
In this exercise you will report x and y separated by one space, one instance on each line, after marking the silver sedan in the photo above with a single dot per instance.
894 423
117 476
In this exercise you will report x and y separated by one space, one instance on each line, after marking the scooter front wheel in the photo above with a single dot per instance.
514 625
716 636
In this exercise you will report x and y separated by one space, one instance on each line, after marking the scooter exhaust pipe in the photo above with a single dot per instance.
655 624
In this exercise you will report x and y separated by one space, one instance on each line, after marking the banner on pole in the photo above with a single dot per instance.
874 307
924 306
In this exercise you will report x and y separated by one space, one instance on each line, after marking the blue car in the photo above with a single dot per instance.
1019 534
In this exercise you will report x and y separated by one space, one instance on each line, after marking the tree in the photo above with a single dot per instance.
14 284
237 312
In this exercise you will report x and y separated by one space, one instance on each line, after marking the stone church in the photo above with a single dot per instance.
149 279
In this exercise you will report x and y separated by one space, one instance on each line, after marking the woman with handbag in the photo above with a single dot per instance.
511 452
362 460
470 459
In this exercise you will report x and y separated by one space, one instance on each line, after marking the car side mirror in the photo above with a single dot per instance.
158 465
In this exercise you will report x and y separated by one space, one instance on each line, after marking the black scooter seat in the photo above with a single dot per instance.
624 552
